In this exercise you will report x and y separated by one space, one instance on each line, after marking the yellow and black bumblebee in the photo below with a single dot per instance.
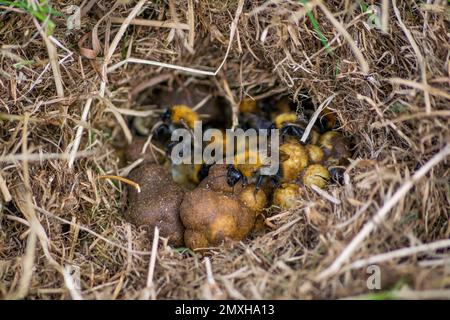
246 167
327 120
293 128
252 116
293 158
317 161
336 149
175 117
292 117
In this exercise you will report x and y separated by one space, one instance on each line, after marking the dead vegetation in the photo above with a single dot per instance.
65 97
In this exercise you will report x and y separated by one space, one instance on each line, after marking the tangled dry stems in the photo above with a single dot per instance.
54 215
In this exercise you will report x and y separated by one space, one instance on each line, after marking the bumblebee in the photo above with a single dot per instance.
291 127
253 121
327 120
248 105
337 174
252 117
175 117
293 160
272 107
180 114
270 114
284 105
266 108
189 175
242 170
335 148
247 171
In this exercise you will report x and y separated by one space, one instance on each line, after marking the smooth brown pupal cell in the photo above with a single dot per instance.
213 217
157 204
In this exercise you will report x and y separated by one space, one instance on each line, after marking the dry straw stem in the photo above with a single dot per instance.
122 29
79 133
233 29
4 189
152 23
99 236
316 114
34 157
70 284
120 120
382 213
418 115
124 180
422 86
191 20
420 59
25 203
400 253
341 29
326 195
385 16
211 289
108 55
162 65
150 288
380 114
53 57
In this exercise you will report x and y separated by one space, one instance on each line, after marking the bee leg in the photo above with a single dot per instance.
275 179
230 172
322 124
258 184
169 148
297 132
337 175
204 171
270 128
244 181
284 131
287 130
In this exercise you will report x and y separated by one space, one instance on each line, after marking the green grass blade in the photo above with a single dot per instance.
316 26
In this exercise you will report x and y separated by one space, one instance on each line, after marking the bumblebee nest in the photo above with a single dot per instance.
62 123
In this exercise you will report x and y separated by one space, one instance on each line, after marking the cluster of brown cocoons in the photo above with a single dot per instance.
214 213
209 215
312 164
